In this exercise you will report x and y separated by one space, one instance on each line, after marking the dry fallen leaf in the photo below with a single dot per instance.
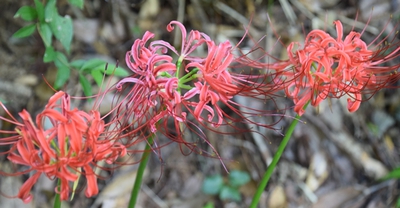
116 193
277 198
318 171
85 30
337 198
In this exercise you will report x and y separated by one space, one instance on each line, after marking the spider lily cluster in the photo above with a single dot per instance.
64 143
172 91
327 67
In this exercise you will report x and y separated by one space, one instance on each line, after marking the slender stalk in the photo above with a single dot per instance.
57 199
140 172
275 160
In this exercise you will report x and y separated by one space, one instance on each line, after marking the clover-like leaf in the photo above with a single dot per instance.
213 184
238 178
230 193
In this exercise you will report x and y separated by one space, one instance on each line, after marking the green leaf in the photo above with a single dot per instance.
49 55
209 205
87 87
25 31
50 11
392 174
46 34
78 3
104 67
63 72
111 69
238 178
91 64
27 13
77 64
63 30
97 76
229 193
136 30
62 59
40 10
213 184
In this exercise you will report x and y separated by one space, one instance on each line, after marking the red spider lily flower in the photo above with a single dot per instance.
156 79
215 82
189 42
214 69
159 92
328 67
64 144
14 135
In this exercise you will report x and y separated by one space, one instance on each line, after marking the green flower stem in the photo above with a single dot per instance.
178 66
57 200
189 76
275 160
177 73
140 172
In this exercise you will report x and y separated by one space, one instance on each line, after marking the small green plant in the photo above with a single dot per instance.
44 18
394 174
226 189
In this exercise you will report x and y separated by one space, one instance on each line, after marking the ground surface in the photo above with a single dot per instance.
333 160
